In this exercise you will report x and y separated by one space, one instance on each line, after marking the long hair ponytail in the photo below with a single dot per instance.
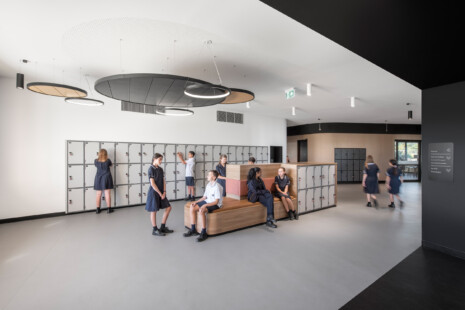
221 157
396 169
253 173
102 155
369 160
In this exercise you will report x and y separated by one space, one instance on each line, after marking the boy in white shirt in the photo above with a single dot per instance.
212 200
190 168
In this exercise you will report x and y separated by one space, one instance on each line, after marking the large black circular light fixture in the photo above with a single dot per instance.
84 101
162 90
207 91
58 90
239 96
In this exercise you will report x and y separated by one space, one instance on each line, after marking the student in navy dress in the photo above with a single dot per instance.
156 197
221 168
258 192
251 161
394 180
212 200
103 180
282 183
370 180
190 168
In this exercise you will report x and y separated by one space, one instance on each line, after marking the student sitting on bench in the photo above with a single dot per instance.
212 200
251 160
258 192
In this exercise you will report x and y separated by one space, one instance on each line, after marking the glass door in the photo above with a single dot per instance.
409 159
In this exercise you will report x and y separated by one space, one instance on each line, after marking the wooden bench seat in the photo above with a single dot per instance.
236 214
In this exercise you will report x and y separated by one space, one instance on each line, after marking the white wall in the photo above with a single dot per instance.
34 128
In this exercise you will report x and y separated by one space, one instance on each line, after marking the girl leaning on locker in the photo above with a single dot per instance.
156 197
394 180
283 182
370 180
103 180
258 192
221 168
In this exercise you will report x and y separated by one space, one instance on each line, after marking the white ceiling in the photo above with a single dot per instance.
256 48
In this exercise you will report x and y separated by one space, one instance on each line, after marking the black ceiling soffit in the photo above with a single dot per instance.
354 128
418 41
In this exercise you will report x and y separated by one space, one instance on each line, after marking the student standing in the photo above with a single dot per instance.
258 192
156 197
394 180
370 180
103 180
212 200
221 168
282 182
190 168
251 160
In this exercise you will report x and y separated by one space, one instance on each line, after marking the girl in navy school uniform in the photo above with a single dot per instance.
394 180
258 192
221 168
370 180
103 180
156 197
282 182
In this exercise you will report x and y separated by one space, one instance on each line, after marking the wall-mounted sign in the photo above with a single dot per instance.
290 93
441 162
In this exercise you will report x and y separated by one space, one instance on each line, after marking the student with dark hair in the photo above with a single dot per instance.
156 197
190 168
258 192
212 200
394 180
251 160
221 168
370 180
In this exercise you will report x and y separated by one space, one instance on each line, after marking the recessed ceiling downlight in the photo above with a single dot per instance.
84 101
174 112
207 91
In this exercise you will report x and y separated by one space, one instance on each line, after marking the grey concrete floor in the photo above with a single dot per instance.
111 261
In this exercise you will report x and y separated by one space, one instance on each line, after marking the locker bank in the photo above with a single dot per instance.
231 155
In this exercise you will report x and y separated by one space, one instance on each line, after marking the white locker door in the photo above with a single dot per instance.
225 151
208 166
171 190
191 148
90 202
310 199
324 175
181 190
147 153
301 175
135 174
216 153
199 153
110 147
301 200
160 149
122 153
135 194
246 154
75 200
122 174
309 176
232 154
199 171
208 153
89 174
121 195
170 153
135 153
145 191
324 196
199 188
75 152
145 173
170 172
331 195
253 151
180 172
75 176
181 148
317 176
332 175
259 154
265 153
317 198
239 154
91 151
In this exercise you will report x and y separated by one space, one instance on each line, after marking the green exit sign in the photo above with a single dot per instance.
290 93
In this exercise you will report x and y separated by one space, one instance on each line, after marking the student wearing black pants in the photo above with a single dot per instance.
258 192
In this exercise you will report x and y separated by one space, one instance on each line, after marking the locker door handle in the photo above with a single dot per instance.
96 153
145 173
127 154
70 201
127 196
145 194
140 174
140 154
145 153
140 195
127 174
70 177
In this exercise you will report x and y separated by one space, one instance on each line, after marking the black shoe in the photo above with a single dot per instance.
270 223
110 210
166 230
190 233
296 215
193 198
188 198
392 205
375 202
401 203
369 204
158 233
202 237
97 211
291 215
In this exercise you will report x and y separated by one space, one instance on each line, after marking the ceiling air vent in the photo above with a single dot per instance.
132 107
229 117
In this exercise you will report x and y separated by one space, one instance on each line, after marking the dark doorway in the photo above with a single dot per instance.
408 155
302 150
276 154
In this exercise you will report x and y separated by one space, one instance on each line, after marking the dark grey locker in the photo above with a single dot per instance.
350 176
344 154
362 154
350 165
362 164
339 176
356 165
337 154
356 153
357 176
344 164
344 176
350 153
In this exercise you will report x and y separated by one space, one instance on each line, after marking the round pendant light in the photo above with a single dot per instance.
173 111
58 90
84 101
238 96
207 91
